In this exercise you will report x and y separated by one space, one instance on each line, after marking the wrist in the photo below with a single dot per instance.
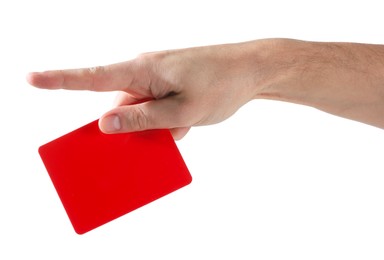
285 68
345 79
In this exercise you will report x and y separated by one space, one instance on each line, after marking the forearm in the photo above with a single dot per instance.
344 79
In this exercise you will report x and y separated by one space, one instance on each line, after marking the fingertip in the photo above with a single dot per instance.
47 79
179 133
33 78
110 124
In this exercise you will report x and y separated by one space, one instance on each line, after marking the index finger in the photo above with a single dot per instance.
119 76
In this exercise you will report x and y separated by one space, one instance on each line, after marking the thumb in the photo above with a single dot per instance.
154 114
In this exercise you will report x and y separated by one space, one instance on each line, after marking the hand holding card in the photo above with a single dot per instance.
100 177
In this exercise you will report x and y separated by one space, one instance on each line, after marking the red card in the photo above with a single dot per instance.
100 177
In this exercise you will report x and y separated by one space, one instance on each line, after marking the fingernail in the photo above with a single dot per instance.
110 124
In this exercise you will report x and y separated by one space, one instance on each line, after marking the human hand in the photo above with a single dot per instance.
206 85
187 87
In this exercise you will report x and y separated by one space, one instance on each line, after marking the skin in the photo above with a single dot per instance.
206 85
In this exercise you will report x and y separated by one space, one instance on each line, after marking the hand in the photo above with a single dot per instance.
206 85
188 87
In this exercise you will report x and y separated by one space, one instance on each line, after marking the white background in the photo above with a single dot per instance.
275 181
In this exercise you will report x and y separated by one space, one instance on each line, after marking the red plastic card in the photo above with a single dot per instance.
100 177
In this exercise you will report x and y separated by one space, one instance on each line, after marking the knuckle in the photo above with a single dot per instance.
141 118
94 74
143 55
144 58
150 57
137 119
96 70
